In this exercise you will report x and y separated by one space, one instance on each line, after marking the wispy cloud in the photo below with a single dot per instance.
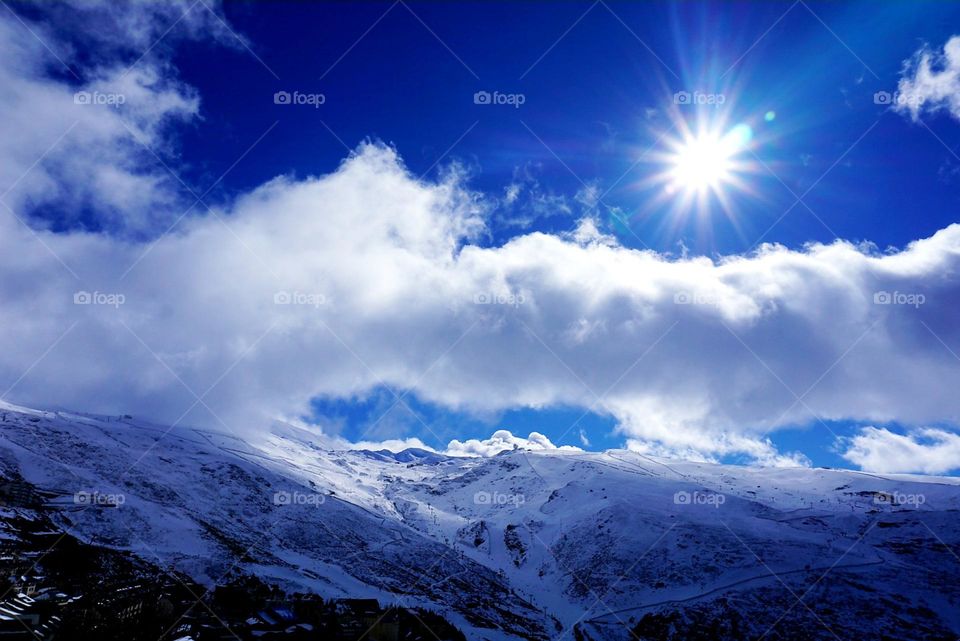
88 136
930 82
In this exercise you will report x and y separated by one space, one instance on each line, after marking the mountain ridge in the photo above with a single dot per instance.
526 544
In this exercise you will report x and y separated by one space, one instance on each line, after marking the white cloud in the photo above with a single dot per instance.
133 29
392 445
928 450
382 275
499 441
930 82
759 451
502 440
318 436
89 145
584 439
525 201
391 259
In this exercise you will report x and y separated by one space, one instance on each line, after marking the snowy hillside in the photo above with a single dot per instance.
531 545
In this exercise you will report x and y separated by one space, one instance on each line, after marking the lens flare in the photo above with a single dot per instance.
707 161
703 166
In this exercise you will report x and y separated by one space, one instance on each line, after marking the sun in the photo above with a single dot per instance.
708 161
702 163
701 167
704 169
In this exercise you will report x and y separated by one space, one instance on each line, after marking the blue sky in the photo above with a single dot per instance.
586 162
586 99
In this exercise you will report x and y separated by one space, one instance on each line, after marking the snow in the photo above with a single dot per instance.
532 542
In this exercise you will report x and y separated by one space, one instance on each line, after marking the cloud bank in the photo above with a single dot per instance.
368 278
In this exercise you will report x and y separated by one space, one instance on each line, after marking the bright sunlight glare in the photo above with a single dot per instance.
706 162
703 166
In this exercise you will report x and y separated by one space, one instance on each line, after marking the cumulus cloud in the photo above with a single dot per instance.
928 450
338 285
499 441
368 278
930 82
503 440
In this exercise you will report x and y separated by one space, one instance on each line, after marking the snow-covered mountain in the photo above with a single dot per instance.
525 544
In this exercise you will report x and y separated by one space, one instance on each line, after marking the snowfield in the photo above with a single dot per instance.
522 545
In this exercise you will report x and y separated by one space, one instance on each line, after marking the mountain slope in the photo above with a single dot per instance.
530 545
